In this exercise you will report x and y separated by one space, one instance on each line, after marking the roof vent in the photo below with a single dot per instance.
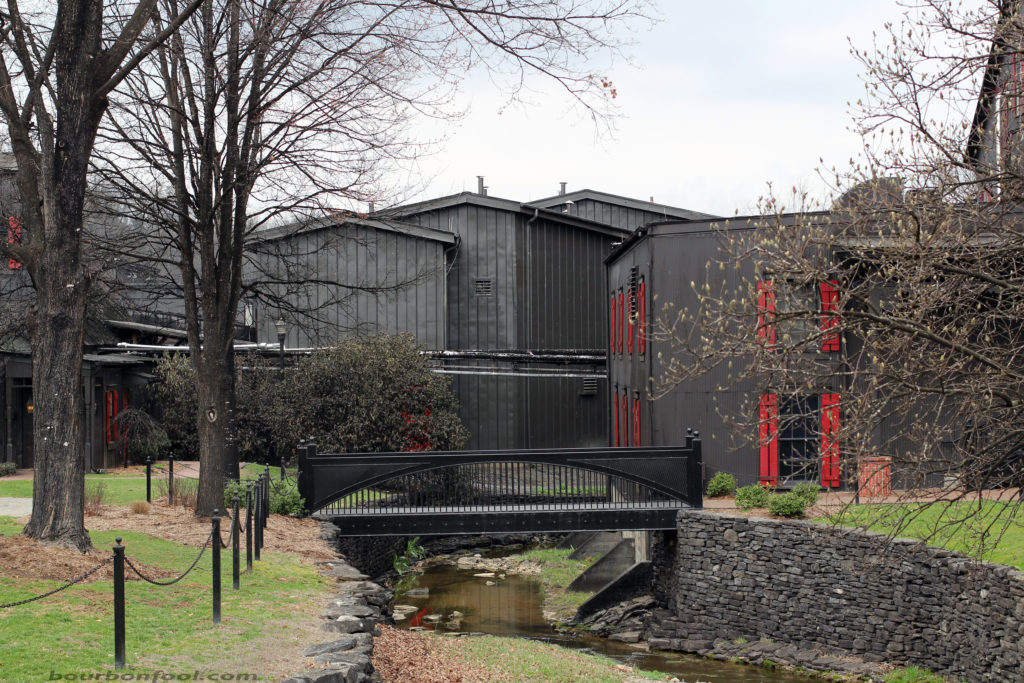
480 188
561 191
483 287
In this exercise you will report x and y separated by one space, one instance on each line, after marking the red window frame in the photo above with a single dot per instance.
830 440
768 438
642 295
622 316
615 410
630 323
13 237
766 313
829 315
636 419
624 414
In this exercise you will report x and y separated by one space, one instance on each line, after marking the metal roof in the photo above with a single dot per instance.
344 220
509 205
628 202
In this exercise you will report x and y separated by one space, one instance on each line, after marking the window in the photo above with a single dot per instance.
642 294
799 439
630 320
766 313
797 309
636 419
615 411
622 319
829 312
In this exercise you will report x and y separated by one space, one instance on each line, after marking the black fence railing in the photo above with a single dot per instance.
479 491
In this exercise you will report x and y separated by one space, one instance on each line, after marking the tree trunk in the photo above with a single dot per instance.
215 389
58 489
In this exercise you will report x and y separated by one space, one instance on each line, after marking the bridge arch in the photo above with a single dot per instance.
539 490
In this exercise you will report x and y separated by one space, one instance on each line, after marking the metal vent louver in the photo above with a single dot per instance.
483 287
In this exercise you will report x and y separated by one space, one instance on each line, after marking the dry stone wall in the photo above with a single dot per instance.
805 584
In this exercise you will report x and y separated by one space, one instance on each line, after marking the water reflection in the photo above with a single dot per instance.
512 607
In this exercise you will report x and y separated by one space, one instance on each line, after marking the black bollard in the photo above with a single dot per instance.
118 604
234 544
215 521
248 526
256 520
282 467
266 489
170 479
149 475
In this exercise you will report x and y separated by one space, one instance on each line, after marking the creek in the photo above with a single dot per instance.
512 606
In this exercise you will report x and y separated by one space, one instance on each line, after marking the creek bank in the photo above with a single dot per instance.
350 619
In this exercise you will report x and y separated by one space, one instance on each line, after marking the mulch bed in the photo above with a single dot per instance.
403 657
23 557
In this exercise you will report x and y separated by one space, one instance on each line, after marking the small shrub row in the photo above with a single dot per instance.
791 504
284 497
7 469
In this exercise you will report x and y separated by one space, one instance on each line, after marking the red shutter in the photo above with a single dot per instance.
615 409
830 440
622 318
629 323
768 437
614 326
13 237
829 319
636 420
766 313
624 414
643 318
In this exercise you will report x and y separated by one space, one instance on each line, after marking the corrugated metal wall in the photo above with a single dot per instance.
562 274
380 281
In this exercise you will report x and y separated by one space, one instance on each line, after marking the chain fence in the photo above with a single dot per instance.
171 582
69 584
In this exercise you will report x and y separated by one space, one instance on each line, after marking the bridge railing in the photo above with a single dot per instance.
512 480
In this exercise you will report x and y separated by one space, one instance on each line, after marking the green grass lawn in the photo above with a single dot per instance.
116 490
991 530
169 629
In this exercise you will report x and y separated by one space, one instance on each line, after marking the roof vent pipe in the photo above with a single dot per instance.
562 190
480 189
371 207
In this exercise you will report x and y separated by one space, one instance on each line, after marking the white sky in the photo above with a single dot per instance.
724 98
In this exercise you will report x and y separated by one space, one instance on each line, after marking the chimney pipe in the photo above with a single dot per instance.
562 190
480 189
371 207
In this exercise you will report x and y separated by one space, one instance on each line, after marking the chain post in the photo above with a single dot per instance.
170 479
149 476
215 543
257 496
266 491
118 604
248 526
283 460
234 543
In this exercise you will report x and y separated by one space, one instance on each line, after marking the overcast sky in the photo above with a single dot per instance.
724 98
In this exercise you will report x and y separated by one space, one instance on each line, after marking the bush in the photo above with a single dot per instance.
787 504
753 496
140 507
722 484
7 469
285 499
808 492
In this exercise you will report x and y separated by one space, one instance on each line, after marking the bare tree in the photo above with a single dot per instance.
59 62
905 299
260 109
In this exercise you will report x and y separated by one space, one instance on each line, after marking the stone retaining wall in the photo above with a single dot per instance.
814 587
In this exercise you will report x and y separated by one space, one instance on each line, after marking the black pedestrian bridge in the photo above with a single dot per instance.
503 491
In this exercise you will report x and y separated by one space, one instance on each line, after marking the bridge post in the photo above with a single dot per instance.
694 470
303 477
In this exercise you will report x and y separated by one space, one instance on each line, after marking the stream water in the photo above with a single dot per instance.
512 607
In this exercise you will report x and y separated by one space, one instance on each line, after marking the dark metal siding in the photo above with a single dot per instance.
391 283
561 278
614 214
486 251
